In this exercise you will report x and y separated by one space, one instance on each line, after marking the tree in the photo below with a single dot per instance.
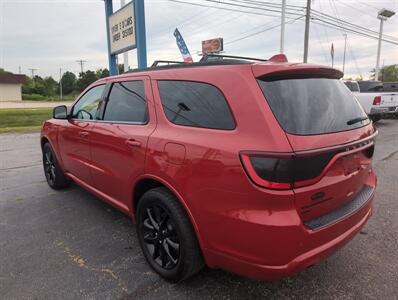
387 73
49 86
102 73
68 82
2 71
120 68
85 79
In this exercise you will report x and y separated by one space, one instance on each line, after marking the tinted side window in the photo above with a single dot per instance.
195 104
127 103
87 106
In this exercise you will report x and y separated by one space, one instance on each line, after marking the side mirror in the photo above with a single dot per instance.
60 112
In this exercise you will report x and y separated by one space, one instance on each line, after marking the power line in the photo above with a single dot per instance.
368 5
319 15
277 6
356 8
354 57
323 22
324 51
262 5
324 28
346 23
224 8
261 31
258 7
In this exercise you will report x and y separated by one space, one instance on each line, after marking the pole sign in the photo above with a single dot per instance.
213 46
182 46
122 29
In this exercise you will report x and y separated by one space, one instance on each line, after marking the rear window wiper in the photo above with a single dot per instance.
356 120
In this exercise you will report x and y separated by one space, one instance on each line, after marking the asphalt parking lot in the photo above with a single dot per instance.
70 245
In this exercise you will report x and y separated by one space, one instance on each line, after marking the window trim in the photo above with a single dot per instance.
106 100
85 93
192 126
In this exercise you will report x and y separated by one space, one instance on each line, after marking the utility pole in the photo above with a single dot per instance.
33 74
81 63
378 49
125 54
19 70
307 30
60 83
345 47
282 41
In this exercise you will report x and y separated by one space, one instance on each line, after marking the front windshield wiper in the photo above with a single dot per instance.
356 120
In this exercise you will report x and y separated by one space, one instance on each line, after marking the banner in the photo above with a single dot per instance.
182 46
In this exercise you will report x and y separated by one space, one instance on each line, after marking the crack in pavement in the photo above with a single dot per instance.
389 156
20 167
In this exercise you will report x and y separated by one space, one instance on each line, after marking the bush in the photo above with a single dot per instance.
37 97
34 97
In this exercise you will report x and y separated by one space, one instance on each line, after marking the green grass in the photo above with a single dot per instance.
23 120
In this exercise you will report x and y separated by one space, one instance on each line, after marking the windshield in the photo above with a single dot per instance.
313 105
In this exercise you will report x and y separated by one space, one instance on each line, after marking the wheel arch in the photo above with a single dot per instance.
43 141
147 182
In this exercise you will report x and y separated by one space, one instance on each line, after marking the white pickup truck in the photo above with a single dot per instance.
377 104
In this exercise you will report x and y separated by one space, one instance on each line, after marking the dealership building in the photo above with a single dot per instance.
11 87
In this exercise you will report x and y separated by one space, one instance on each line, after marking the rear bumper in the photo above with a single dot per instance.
298 246
301 262
388 110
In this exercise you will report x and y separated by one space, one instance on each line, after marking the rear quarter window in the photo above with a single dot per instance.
195 104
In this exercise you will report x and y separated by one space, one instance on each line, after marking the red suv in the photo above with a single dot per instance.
261 168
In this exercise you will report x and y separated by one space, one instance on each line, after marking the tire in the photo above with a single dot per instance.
54 175
166 236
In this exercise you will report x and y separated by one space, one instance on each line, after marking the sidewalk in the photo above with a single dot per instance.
32 104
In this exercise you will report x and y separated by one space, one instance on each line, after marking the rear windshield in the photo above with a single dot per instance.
313 105
370 86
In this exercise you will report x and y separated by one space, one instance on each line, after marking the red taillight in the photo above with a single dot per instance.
270 171
377 100
283 171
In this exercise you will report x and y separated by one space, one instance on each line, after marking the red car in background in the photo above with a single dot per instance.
261 168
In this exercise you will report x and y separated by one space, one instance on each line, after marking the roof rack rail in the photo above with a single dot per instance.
209 57
168 62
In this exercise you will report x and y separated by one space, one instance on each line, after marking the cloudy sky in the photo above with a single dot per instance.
48 35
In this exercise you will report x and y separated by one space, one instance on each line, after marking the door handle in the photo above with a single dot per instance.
133 143
83 134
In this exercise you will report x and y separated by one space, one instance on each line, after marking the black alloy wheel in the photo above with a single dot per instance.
54 175
160 237
166 236
49 167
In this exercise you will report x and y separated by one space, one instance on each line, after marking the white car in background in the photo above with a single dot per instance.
376 103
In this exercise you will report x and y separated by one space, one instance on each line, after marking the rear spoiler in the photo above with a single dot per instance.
295 72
